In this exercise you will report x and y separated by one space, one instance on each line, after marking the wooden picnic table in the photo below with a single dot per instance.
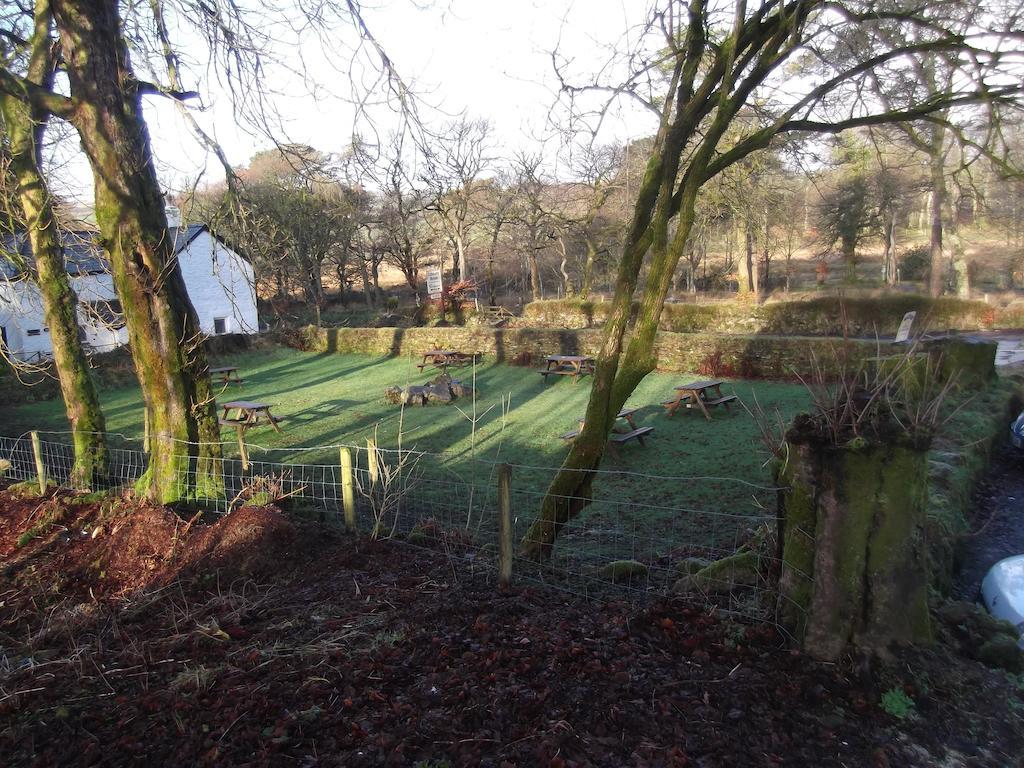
248 414
227 374
699 394
619 434
442 358
568 365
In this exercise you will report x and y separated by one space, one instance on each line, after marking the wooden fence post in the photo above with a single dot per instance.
243 450
37 451
372 466
504 525
348 491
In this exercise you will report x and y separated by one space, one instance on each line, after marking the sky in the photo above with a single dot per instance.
486 58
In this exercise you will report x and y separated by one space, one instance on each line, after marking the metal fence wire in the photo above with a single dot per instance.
624 544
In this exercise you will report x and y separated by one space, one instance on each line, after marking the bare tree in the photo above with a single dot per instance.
532 216
708 66
598 168
497 210
458 156
401 232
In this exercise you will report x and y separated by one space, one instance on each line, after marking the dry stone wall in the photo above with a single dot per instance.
745 356
820 316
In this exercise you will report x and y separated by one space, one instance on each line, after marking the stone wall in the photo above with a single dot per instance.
744 356
822 316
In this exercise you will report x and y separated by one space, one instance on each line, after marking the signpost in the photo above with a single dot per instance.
434 285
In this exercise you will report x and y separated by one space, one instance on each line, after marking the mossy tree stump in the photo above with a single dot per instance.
854 562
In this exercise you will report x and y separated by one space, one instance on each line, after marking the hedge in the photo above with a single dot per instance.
822 316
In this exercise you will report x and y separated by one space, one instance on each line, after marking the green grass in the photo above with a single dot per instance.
329 399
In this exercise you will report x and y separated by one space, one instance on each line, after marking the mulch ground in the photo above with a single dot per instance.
130 634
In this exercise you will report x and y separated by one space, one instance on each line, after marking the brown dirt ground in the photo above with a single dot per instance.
262 640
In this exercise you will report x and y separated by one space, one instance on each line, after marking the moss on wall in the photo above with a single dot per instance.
820 316
711 354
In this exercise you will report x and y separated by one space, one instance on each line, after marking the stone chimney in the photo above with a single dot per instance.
173 216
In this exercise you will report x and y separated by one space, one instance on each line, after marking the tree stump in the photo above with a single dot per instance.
854 560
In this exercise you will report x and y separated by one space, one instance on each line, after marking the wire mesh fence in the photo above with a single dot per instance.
623 543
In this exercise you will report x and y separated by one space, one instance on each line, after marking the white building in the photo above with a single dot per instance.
219 281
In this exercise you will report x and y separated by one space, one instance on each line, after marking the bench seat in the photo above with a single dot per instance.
625 437
725 400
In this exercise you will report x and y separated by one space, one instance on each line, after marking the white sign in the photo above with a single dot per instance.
434 286
904 331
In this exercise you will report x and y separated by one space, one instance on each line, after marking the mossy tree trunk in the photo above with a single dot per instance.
25 126
162 325
588 267
854 561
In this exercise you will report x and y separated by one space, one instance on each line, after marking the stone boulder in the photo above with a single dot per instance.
415 395
442 390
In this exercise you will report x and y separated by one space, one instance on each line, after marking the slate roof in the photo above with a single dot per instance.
82 253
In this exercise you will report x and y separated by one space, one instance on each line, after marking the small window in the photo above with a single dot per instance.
220 325
32 332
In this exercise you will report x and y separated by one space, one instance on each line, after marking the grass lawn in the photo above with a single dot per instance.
694 480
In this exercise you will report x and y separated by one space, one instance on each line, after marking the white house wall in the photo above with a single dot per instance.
21 311
220 283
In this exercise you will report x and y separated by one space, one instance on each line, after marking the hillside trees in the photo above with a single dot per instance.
24 124
717 62
296 200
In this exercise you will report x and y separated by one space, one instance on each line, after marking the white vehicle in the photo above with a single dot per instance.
1017 432
1002 591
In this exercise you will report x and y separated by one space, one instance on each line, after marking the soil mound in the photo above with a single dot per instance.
114 546
252 541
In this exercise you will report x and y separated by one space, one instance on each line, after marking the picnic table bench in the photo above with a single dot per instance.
226 375
568 365
443 358
699 394
248 414
619 435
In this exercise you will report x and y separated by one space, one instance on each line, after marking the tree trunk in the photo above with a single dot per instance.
588 268
463 257
616 375
939 194
570 291
890 271
368 293
163 329
746 281
750 265
534 276
24 127
849 246
854 560
375 274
